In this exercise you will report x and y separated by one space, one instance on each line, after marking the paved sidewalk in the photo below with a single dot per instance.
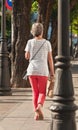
16 111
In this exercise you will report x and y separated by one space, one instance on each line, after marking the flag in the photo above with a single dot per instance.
8 4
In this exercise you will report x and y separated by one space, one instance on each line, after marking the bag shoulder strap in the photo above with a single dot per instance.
38 50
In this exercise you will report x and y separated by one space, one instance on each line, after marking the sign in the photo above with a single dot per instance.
8 4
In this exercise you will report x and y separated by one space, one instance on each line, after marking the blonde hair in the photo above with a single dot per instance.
37 29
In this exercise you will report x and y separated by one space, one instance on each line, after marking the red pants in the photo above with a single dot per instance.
38 84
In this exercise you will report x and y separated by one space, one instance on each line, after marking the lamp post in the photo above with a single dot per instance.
63 107
5 88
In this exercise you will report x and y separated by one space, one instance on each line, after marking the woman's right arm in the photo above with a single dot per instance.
27 50
27 55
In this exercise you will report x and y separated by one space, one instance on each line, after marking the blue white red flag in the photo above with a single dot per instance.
8 4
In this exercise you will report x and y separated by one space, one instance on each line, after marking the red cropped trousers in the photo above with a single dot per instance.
38 84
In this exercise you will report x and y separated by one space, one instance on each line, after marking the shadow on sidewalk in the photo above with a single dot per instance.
74 68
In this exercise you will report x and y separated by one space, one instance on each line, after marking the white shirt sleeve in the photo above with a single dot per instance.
49 47
28 46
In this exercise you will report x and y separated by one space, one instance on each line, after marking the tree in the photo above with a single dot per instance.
21 26
45 9
21 23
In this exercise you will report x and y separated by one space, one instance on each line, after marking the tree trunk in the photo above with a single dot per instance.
45 9
21 25
54 39
73 3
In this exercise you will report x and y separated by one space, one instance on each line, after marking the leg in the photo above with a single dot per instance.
34 85
42 80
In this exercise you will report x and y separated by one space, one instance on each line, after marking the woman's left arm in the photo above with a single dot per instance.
51 64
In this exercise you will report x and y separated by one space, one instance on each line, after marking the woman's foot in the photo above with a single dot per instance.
36 117
39 114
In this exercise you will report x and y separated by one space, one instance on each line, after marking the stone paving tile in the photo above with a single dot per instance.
12 123
5 108
22 117
22 111
36 125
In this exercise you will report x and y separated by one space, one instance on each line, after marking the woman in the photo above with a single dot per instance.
39 53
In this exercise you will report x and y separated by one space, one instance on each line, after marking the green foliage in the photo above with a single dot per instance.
74 19
74 12
75 26
8 23
54 10
34 7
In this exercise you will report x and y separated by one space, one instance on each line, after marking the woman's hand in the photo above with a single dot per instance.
52 77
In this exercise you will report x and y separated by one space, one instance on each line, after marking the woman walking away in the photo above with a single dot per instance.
39 53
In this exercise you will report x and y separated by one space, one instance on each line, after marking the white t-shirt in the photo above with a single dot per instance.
39 64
